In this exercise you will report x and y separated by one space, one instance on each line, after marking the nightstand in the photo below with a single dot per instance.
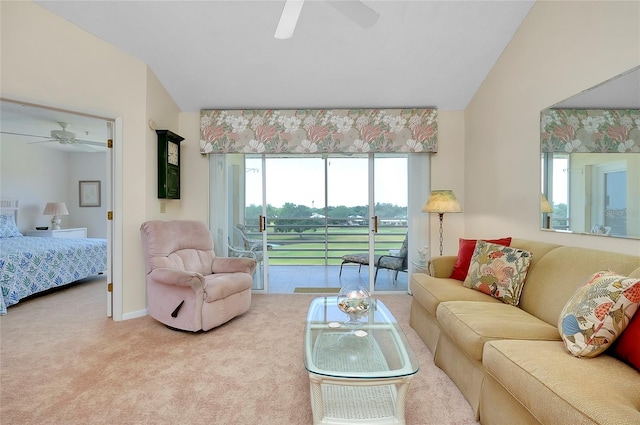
77 233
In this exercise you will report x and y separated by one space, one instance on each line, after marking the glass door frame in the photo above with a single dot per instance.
417 223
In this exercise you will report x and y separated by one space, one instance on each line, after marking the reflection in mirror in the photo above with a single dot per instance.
595 193
590 157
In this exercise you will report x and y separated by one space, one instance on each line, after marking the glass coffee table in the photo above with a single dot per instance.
358 374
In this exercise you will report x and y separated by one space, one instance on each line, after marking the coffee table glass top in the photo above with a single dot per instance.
376 349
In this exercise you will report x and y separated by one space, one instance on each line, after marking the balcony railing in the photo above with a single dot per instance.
323 241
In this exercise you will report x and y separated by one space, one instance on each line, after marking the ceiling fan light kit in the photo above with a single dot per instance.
355 10
63 136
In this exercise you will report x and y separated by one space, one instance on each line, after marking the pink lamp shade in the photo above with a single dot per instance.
55 209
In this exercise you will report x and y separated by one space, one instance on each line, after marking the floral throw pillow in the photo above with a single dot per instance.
498 271
598 312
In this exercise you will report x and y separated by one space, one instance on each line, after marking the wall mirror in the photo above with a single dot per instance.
590 158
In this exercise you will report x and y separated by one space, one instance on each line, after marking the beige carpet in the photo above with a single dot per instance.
63 362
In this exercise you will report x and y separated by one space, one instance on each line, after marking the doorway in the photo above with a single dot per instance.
61 148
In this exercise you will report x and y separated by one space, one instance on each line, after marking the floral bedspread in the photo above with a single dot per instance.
29 265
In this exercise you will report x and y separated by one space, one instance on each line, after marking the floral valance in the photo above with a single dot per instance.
318 130
590 130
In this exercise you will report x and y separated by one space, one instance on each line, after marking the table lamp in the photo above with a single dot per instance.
56 209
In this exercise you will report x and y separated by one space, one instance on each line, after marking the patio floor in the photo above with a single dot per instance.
284 279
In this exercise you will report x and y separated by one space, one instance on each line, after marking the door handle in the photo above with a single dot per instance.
262 223
375 224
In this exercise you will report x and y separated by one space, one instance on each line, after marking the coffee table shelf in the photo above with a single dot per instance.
357 377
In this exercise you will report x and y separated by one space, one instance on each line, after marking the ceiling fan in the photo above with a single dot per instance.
63 137
355 10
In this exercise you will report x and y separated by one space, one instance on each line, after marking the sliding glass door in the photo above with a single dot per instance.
298 211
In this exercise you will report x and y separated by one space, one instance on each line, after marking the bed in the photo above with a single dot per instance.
31 265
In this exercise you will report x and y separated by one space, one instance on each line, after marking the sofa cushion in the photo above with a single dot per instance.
470 324
554 276
430 292
465 252
498 271
627 346
558 388
598 312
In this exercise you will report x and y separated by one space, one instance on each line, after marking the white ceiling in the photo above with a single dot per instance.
222 54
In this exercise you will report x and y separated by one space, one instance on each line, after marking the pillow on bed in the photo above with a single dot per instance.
8 228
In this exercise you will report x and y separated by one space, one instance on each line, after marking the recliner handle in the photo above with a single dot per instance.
177 310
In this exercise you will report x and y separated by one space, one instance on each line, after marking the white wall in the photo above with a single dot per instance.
36 175
195 171
561 48
448 172
88 166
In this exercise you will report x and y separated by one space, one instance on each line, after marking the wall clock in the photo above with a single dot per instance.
168 164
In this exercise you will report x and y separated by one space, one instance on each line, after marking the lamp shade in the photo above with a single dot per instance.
55 208
545 206
442 201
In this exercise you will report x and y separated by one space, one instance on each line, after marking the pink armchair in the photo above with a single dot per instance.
188 287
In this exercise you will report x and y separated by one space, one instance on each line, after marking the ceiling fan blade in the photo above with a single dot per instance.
90 142
25 135
87 147
288 19
42 141
357 11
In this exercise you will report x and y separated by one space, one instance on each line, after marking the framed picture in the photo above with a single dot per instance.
90 193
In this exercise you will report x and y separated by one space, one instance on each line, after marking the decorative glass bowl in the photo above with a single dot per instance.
354 301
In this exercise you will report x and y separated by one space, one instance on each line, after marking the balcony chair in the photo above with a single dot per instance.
397 263
188 287
240 233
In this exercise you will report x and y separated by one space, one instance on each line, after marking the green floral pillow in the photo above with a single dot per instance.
598 312
498 271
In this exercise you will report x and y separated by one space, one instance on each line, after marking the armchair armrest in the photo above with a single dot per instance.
442 266
176 277
233 264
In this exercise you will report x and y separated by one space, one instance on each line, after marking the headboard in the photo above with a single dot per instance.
9 207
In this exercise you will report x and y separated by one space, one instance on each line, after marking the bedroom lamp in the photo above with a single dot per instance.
56 209
546 208
441 202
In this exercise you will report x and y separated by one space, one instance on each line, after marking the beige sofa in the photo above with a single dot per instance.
510 362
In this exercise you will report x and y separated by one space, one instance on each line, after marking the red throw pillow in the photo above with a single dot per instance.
627 345
465 252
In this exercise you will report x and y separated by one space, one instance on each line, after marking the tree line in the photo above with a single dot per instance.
299 218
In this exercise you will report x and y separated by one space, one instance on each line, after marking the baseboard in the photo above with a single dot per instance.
135 314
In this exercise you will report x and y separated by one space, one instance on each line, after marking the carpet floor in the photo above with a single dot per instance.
63 362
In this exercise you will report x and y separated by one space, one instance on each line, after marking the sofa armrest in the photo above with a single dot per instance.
233 265
176 277
442 266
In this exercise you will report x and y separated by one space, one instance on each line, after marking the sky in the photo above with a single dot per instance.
301 181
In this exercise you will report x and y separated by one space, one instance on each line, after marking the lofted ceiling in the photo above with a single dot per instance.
223 54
